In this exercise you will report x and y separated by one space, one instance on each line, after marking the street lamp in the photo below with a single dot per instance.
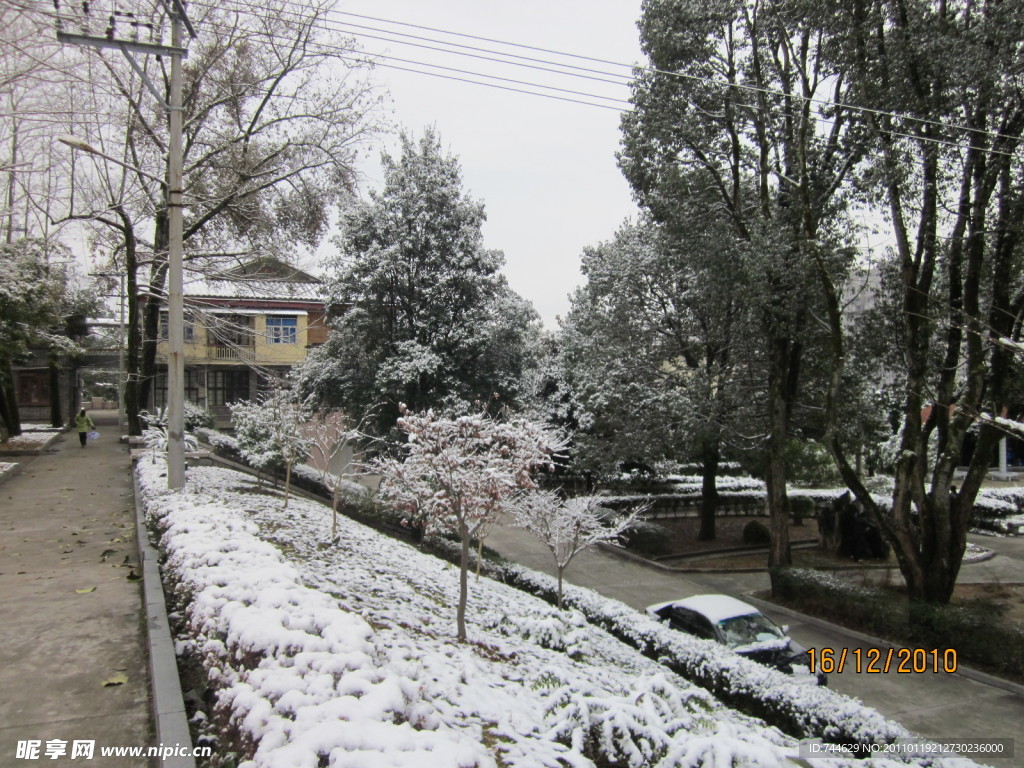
76 143
175 300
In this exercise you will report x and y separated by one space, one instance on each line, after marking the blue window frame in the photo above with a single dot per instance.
282 329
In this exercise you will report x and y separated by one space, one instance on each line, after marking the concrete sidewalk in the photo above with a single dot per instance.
73 659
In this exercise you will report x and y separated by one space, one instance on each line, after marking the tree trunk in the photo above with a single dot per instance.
334 510
780 555
8 400
151 317
133 341
56 414
150 337
460 615
709 489
287 482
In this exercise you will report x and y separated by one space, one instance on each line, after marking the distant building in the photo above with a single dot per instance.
244 330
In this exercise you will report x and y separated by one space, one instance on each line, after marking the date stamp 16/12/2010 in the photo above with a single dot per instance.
881 660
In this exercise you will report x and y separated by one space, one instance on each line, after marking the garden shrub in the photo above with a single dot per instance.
977 633
197 417
648 539
824 595
756 533
810 464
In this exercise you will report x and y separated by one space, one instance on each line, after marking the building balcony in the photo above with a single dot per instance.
231 354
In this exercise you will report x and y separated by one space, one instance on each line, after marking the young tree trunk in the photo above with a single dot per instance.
334 510
460 614
709 490
561 568
287 482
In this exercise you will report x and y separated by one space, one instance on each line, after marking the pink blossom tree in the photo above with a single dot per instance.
568 527
458 474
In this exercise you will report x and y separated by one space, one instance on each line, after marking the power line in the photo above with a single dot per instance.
341 25
507 88
651 70
580 72
324 47
496 77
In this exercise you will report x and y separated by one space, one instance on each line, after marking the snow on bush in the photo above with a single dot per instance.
346 657
218 440
809 712
458 473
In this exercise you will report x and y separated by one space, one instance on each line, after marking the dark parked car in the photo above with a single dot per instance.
741 627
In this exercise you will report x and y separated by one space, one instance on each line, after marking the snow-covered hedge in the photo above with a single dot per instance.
799 710
344 657
303 475
222 444
999 509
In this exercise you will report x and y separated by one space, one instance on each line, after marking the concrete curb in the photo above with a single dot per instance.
971 674
165 686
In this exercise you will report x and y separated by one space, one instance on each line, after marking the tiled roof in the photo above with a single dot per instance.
262 279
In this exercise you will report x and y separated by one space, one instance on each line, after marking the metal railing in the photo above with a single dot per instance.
245 354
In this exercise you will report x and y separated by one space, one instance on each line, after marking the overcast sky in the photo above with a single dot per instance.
545 169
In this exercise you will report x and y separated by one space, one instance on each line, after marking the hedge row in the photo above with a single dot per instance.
804 712
978 634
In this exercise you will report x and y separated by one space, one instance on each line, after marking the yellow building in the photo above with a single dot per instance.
244 330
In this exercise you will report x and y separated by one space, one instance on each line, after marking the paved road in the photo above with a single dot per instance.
933 705
70 618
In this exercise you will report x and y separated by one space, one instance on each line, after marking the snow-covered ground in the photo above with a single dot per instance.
32 437
6 468
345 655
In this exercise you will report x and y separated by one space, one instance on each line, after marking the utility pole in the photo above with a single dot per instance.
175 256
175 300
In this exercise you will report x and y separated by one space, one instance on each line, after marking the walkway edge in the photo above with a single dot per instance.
971 674
167 702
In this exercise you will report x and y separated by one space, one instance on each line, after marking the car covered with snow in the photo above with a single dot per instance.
741 627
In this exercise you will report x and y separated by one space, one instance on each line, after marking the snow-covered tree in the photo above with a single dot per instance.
772 169
270 435
421 314
568 527
458 473
275 107
656 349
330 434
37 302
954 200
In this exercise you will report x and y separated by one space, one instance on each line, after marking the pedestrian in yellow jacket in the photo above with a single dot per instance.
83 423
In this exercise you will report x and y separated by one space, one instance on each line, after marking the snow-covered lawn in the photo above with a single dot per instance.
344 655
